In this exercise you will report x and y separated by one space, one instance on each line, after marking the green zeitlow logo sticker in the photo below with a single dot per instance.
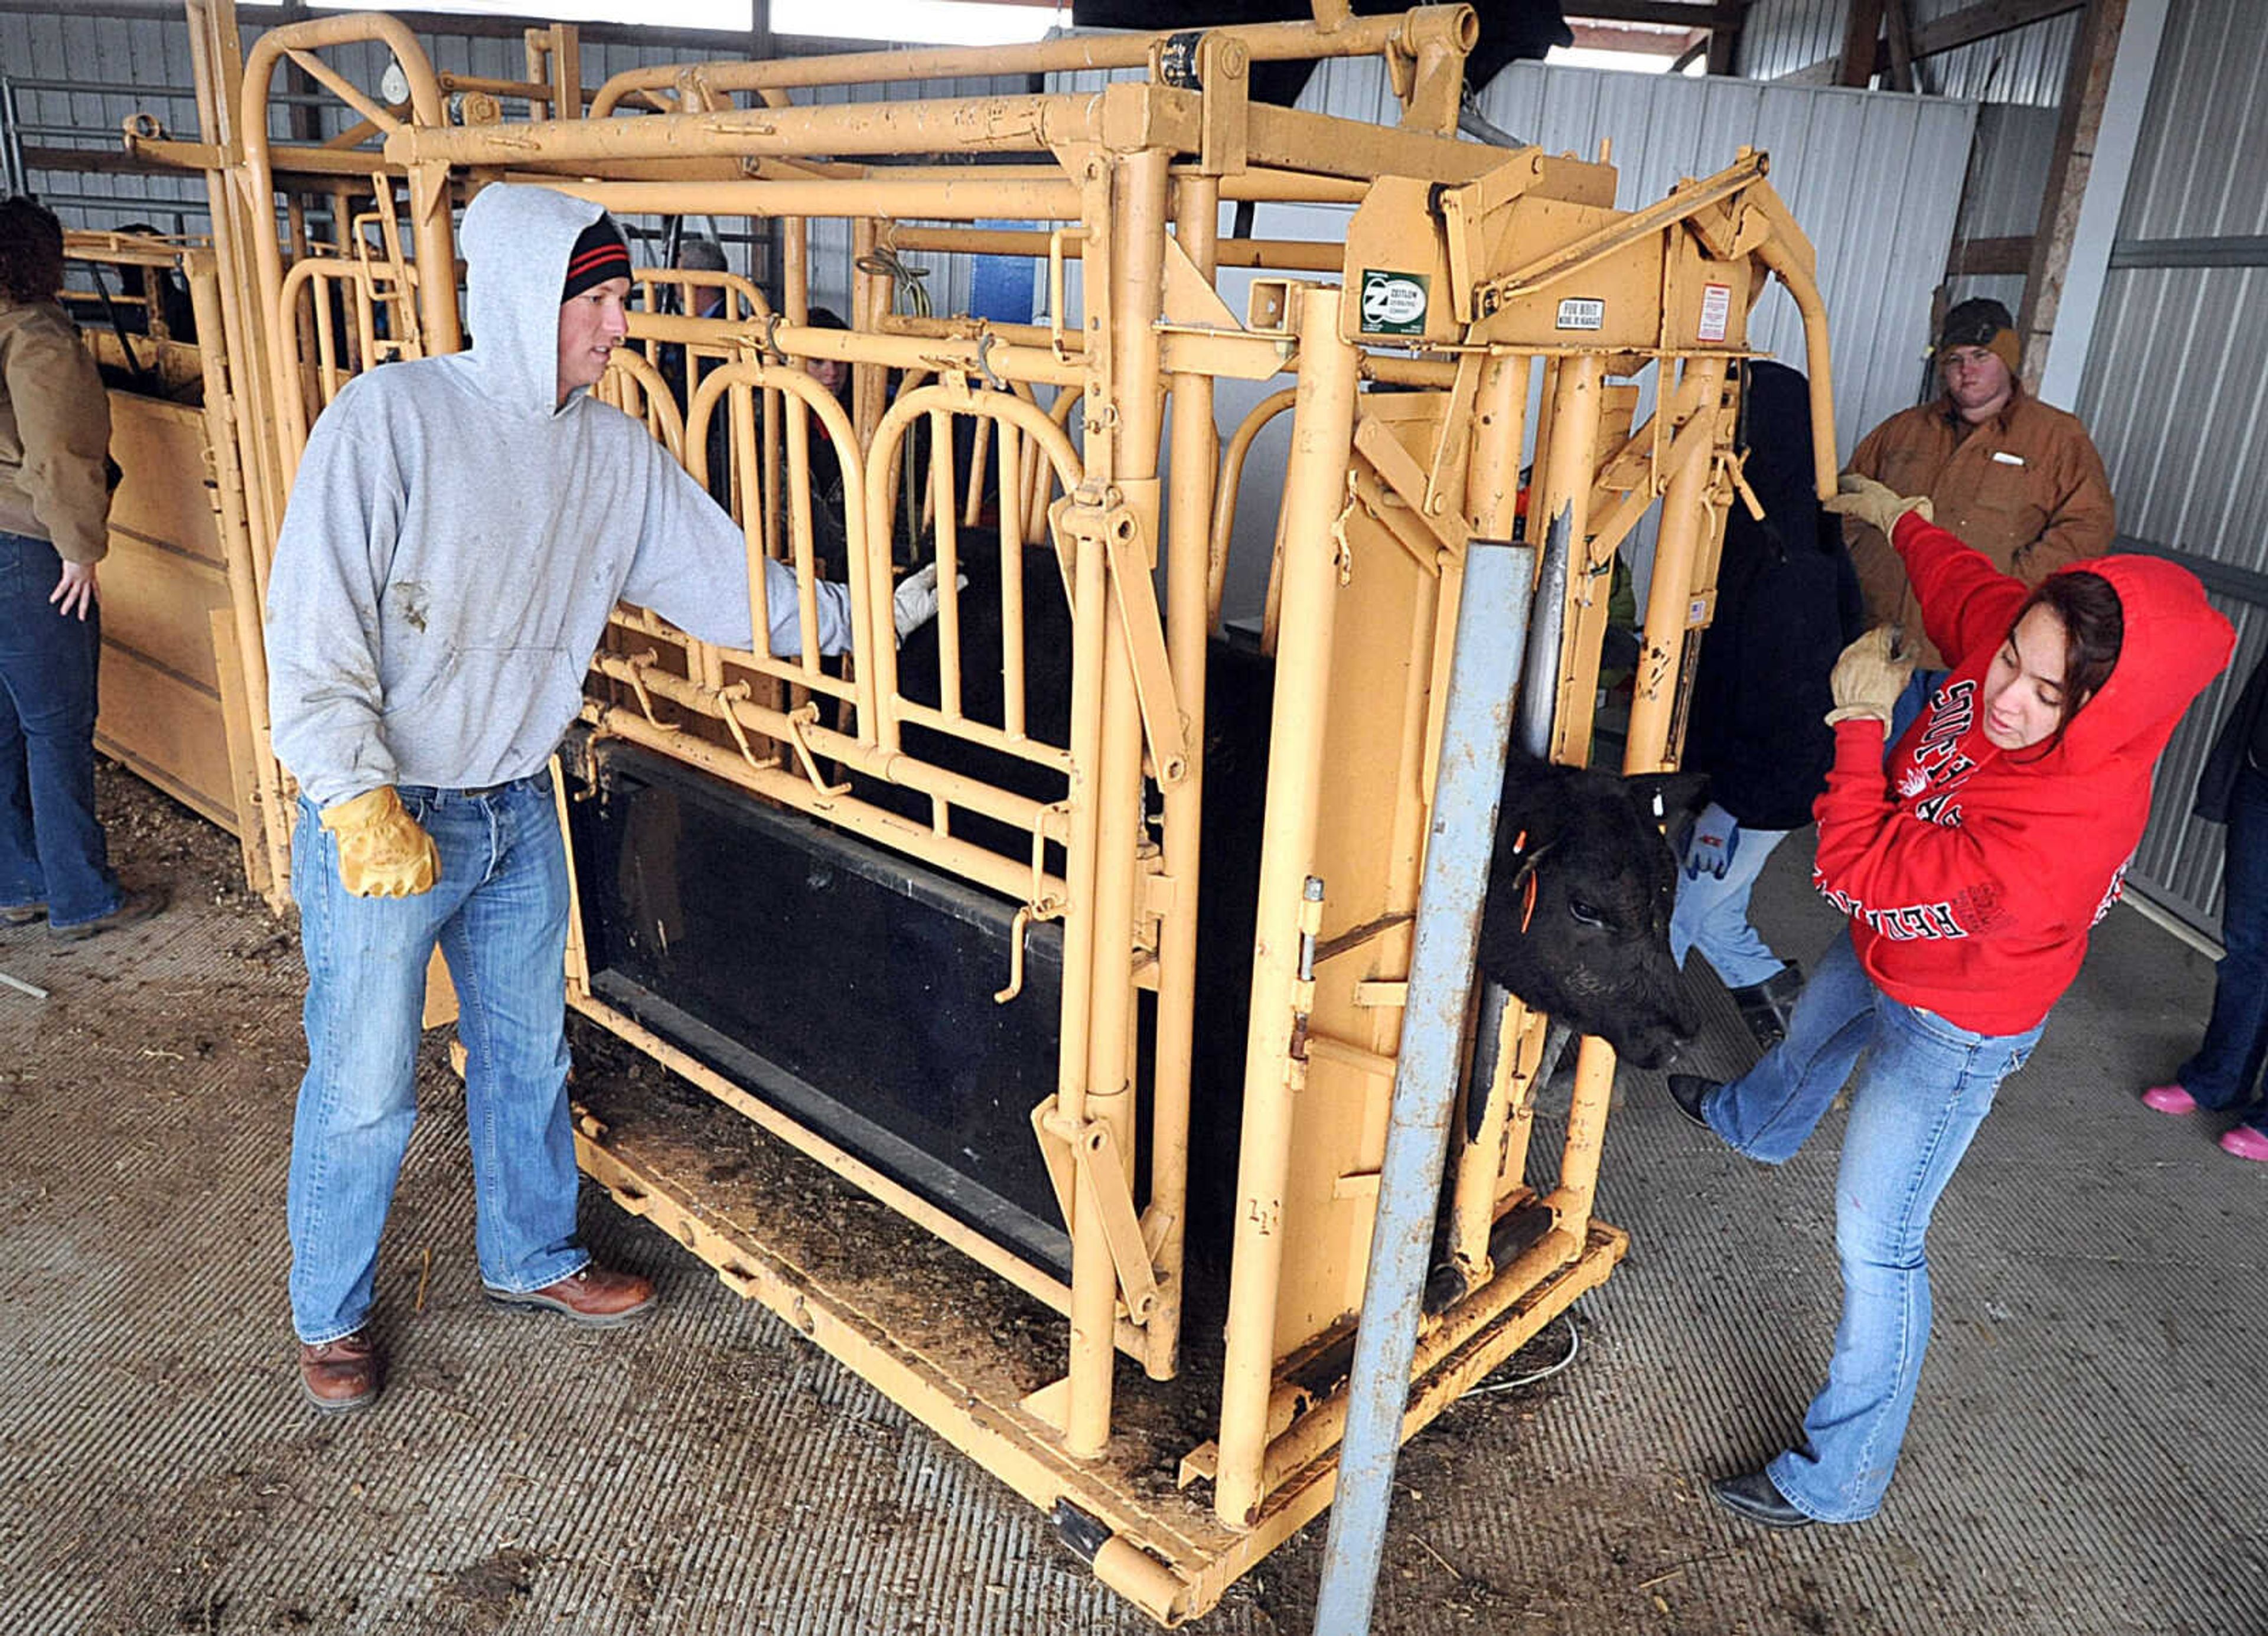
1393 304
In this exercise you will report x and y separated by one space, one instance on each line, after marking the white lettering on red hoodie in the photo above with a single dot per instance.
1971 874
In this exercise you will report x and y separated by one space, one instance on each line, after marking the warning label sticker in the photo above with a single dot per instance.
1582 313
1716 311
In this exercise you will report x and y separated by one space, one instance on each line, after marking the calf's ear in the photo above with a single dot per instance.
1671 799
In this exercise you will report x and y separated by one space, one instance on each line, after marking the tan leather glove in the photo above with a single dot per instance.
382 851
1876 503
1869 676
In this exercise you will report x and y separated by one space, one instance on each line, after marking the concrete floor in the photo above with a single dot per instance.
2086 1455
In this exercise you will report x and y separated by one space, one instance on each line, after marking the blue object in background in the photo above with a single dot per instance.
1002 287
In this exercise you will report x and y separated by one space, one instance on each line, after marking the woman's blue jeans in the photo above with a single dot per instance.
499 914
52 849
1924 1087
2225 1071
1712 915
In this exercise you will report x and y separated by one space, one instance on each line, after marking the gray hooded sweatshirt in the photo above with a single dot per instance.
456 538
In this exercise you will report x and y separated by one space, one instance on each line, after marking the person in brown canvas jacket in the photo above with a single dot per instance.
2009 476
54 508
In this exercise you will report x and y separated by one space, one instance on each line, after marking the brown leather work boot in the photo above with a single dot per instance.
596 1295
134 908
340 1375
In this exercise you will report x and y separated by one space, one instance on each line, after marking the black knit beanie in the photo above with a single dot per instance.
599 254
1981 321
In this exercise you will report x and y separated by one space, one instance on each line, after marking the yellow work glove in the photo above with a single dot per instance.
382 851
1869 676
1876 503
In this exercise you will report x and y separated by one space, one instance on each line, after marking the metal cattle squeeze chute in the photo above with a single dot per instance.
1063 1131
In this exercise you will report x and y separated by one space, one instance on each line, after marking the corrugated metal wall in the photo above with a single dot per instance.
2018 76
2178 379
1780 36
144 65
2025 65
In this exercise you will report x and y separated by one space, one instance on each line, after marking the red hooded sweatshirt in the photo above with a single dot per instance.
1972 874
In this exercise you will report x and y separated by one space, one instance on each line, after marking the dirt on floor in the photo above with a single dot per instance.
712 1473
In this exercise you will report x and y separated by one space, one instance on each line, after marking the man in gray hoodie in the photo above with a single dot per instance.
458 532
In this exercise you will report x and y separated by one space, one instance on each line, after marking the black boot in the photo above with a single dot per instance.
1766 1007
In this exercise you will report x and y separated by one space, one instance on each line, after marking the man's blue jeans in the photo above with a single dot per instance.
499 913
2225 1071
1712 915
1923 1088
52 849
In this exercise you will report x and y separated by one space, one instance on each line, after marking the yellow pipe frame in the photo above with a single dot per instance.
1123 473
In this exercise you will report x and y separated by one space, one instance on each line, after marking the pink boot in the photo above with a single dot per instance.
2246 1142
2169 1099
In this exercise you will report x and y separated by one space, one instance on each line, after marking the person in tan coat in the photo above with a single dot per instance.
2007 474
54 507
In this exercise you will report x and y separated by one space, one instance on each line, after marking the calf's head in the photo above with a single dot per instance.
1580 886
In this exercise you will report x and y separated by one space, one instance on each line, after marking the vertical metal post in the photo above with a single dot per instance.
1479 722
1690 528
1188 625
1314 490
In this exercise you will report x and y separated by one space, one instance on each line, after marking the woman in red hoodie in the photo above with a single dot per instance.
1972 866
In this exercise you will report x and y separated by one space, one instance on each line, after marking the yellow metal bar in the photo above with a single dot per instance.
1266 42
988 868
1135 249
1794 271
1196 444
1572 453
1687 519
1322 436
1133 115
223 437
1492 497
1288 255
954 198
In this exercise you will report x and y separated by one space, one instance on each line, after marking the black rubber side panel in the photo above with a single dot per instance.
844 984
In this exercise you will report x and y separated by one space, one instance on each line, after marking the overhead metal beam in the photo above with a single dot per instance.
2247 251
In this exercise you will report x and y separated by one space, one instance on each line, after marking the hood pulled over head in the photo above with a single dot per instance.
517 241
2174 643
1776 425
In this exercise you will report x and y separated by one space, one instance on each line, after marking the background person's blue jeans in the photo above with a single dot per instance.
2225 1070
1712 915
1924 1087
499 914
52 849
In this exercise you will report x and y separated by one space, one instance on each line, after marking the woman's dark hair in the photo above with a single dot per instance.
2094 630
30 251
